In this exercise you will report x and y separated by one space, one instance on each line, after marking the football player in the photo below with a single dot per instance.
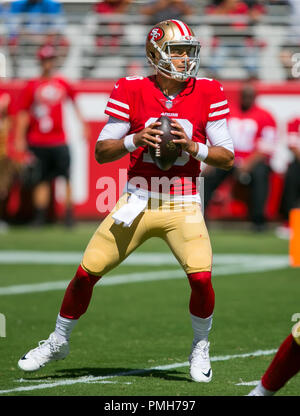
283 367
198 108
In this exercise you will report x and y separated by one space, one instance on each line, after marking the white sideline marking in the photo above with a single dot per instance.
93 379
248 383
150 258
223 265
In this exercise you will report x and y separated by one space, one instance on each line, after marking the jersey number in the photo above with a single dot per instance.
185 156
243 133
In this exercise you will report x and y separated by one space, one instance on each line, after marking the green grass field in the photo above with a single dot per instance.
135 338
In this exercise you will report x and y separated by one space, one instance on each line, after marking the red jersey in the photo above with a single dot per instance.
239 9
43 98
252 130
107 7
140 101
5 104
293 130
5 110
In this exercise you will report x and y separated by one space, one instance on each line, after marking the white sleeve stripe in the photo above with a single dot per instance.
220 104
118 103
219 113
119 113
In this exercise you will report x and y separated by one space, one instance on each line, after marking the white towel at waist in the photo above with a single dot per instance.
138 200
127 213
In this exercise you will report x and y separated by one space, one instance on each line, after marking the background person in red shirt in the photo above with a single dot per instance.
291 190
253 131
8 169
40 124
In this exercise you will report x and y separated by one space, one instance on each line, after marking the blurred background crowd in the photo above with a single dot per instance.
105 39
250 42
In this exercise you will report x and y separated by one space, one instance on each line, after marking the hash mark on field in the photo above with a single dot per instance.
248 383
99 379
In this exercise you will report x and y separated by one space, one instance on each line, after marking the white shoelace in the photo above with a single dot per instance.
200 354
47 346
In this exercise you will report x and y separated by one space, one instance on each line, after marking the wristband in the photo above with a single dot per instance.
129 144
202 152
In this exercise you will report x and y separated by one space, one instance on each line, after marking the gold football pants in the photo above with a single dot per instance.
180 225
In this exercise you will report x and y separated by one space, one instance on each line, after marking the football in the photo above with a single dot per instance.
165 155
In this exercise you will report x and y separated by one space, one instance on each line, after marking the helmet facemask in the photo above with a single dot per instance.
163 61
188 51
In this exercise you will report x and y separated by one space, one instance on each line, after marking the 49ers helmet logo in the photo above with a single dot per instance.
156 34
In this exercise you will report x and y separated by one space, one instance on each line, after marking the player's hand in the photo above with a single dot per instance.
187 144
148 136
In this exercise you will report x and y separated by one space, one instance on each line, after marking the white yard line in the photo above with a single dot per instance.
149 258
223 265
99 379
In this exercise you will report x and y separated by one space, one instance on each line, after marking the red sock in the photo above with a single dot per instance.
78 294
284 366
202 299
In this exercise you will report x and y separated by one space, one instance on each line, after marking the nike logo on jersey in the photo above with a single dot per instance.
221 88
207 374
117 86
